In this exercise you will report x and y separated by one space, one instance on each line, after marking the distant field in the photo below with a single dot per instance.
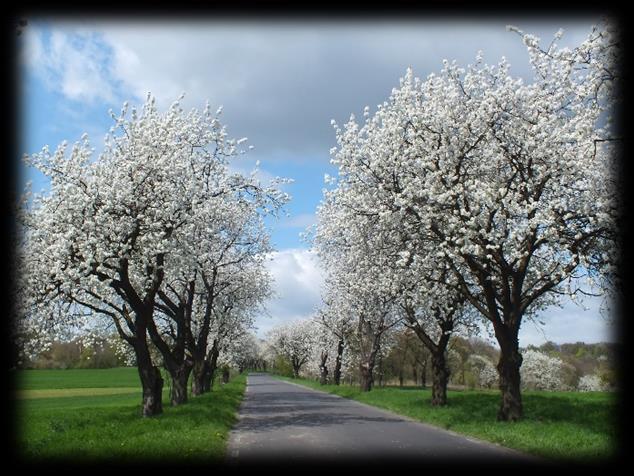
78 378
556 425
95 415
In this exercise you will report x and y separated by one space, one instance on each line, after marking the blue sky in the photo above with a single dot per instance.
57 107
280 84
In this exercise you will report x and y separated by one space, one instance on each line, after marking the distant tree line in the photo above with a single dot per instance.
405 361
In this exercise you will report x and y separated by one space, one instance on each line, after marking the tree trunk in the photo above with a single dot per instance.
439 370
152 391
440 377
151 381
509 373
366 376
210 374
179 377
400 378
423 376
323 374
198 376
207 379
295 370
338 361
415 374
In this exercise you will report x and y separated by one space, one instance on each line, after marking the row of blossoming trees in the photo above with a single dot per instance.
155 236
309 348
472 196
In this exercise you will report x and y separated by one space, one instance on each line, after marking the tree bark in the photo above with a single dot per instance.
366 376
204 370
323 369
368 359
509 373
440 377
207 379
151 381
210 375
198 376
295 370
177 363
142 308
179 377
297 363
439 370
338 362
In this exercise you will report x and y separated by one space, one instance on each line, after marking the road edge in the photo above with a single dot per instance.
472 439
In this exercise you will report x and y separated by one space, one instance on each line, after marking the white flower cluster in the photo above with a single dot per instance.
296 341
542 372
155 233
486 371
473 190
591 383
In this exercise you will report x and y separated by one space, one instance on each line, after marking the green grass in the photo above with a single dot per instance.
77 378
556 425
100 426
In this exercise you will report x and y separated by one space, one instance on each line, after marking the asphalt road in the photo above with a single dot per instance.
284 422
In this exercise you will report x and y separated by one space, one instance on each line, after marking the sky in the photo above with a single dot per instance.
280 84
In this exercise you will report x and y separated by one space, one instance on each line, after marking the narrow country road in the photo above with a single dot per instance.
284 422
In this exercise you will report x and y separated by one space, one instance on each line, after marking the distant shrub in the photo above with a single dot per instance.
484 369
590 383
543 372
282 366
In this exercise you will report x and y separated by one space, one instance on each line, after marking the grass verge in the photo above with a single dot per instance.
85 428
570 426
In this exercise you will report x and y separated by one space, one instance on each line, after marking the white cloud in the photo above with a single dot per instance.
73 61
298 280
280 82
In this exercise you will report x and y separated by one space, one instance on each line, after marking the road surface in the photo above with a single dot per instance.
285 422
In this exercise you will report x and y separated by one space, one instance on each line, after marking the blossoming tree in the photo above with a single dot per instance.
295 341
115 226
338 321
511 184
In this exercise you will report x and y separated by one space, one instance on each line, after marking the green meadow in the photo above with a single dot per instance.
88 415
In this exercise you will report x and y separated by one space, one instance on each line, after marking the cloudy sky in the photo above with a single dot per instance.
280 83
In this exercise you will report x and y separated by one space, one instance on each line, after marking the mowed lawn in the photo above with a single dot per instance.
557 425
87 415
